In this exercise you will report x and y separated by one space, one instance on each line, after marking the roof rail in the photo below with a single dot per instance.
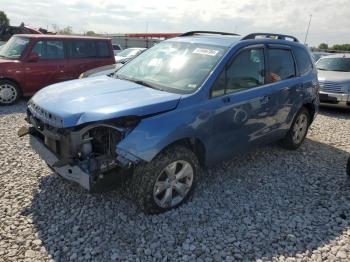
271 35
190 33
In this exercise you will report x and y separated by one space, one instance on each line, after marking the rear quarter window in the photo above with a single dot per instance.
304 63
103 49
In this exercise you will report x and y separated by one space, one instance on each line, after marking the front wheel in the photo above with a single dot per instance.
298 130
167 181
9 93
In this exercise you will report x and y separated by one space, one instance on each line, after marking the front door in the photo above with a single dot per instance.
240 103
50 68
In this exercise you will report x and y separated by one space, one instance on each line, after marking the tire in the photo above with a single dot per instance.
10 93
348 167
166 171
298 130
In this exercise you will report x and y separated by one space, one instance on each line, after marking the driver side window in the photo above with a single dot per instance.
246 71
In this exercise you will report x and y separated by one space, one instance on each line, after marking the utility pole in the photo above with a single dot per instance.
307 31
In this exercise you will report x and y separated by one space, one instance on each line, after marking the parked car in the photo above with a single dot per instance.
117 49
334 78
318 55
107 70
128 54
187 102
30 62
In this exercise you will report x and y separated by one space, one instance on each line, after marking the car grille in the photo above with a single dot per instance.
331 87
44 115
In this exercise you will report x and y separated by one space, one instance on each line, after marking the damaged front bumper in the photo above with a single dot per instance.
72 173
88 155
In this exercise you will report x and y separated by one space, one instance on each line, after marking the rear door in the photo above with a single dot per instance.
52 66
240 103
86 54
285 84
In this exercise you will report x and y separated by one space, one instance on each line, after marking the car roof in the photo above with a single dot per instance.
231 40
137 48
222 40
337 56
44 36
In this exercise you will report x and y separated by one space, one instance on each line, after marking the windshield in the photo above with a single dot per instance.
173 66
14 47
129 52
341 64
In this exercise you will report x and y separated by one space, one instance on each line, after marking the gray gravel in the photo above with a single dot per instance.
270 204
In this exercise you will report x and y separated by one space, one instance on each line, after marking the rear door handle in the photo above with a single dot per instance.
265 99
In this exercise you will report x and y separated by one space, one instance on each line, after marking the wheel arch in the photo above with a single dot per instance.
194 144
311 109
2 78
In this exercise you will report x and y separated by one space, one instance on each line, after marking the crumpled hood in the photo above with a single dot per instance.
76 102
333 76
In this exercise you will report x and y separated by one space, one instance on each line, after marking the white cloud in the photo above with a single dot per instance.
330 21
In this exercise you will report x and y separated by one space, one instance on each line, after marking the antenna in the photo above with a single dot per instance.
307 31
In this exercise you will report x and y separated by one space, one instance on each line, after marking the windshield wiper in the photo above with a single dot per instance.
340 71
140 82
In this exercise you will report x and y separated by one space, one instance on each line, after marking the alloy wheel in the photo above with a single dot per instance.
173 184
300 128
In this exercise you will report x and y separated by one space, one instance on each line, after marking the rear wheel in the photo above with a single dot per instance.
298 130
9 92
167 181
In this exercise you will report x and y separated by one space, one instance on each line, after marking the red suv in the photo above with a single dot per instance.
31 62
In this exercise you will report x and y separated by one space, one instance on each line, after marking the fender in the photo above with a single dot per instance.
153 134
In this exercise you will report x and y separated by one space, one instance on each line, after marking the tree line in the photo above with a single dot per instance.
343 47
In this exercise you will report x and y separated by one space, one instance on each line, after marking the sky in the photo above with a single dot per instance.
330 18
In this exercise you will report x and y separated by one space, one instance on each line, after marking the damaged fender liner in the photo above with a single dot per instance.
73 173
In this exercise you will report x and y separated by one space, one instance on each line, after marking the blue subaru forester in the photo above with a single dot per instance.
189 101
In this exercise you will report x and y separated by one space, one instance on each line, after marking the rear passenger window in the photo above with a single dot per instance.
246 71
103 49
49 49
82 49
281 64
303 61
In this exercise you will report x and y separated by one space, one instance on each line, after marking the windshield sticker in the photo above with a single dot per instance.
203 51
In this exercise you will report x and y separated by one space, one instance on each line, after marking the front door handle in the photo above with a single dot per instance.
226 99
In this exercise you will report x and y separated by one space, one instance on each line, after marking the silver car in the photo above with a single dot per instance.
334 78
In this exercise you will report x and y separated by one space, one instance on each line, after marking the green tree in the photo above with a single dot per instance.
323 46
344 47
68 30
91 33
4 21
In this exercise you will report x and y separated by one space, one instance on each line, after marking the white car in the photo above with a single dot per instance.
117 49
334 79
128 53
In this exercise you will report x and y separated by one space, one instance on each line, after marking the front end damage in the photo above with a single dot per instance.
85 154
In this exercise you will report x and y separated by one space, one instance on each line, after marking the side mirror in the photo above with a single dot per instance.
33 57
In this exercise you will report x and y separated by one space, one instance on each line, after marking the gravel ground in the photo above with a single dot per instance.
270 205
